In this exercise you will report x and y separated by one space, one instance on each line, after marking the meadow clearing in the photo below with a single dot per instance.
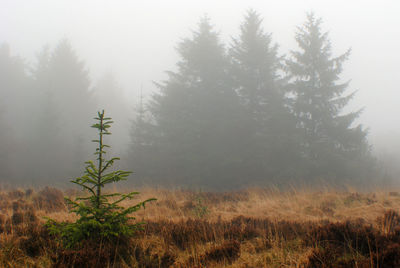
247 228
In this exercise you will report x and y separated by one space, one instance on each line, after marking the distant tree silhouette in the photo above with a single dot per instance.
13 117
109 95
71 86
62 94
46 133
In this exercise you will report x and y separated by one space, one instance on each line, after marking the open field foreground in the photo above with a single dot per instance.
248 228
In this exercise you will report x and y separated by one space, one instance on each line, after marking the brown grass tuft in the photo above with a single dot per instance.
229 251
389 223
50 200
16 194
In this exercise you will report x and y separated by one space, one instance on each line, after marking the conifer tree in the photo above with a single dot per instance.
101 218
69 88
332 141
15 100
138 128
255 69
256 65
141 141
70 84
60 84
45 135
193 115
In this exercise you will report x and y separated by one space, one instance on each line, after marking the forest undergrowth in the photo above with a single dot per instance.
247 228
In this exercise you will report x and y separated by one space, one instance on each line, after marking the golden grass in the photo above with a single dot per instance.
195 228
300 205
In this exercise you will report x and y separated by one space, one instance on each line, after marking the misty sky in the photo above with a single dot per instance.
136 40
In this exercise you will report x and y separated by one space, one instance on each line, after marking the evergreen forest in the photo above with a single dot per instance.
231 114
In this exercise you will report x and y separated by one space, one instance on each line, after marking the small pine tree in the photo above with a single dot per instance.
101 217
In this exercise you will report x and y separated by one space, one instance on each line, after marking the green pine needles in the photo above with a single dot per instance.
101 216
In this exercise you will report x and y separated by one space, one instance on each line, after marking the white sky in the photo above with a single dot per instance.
136 40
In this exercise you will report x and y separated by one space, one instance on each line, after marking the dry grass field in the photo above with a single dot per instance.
247 228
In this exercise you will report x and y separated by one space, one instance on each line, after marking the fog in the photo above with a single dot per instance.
136 42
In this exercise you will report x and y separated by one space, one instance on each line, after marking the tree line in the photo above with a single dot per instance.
230 115
242 113
46 109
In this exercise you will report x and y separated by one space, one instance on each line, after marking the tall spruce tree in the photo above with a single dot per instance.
193 116
256 70
333 144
